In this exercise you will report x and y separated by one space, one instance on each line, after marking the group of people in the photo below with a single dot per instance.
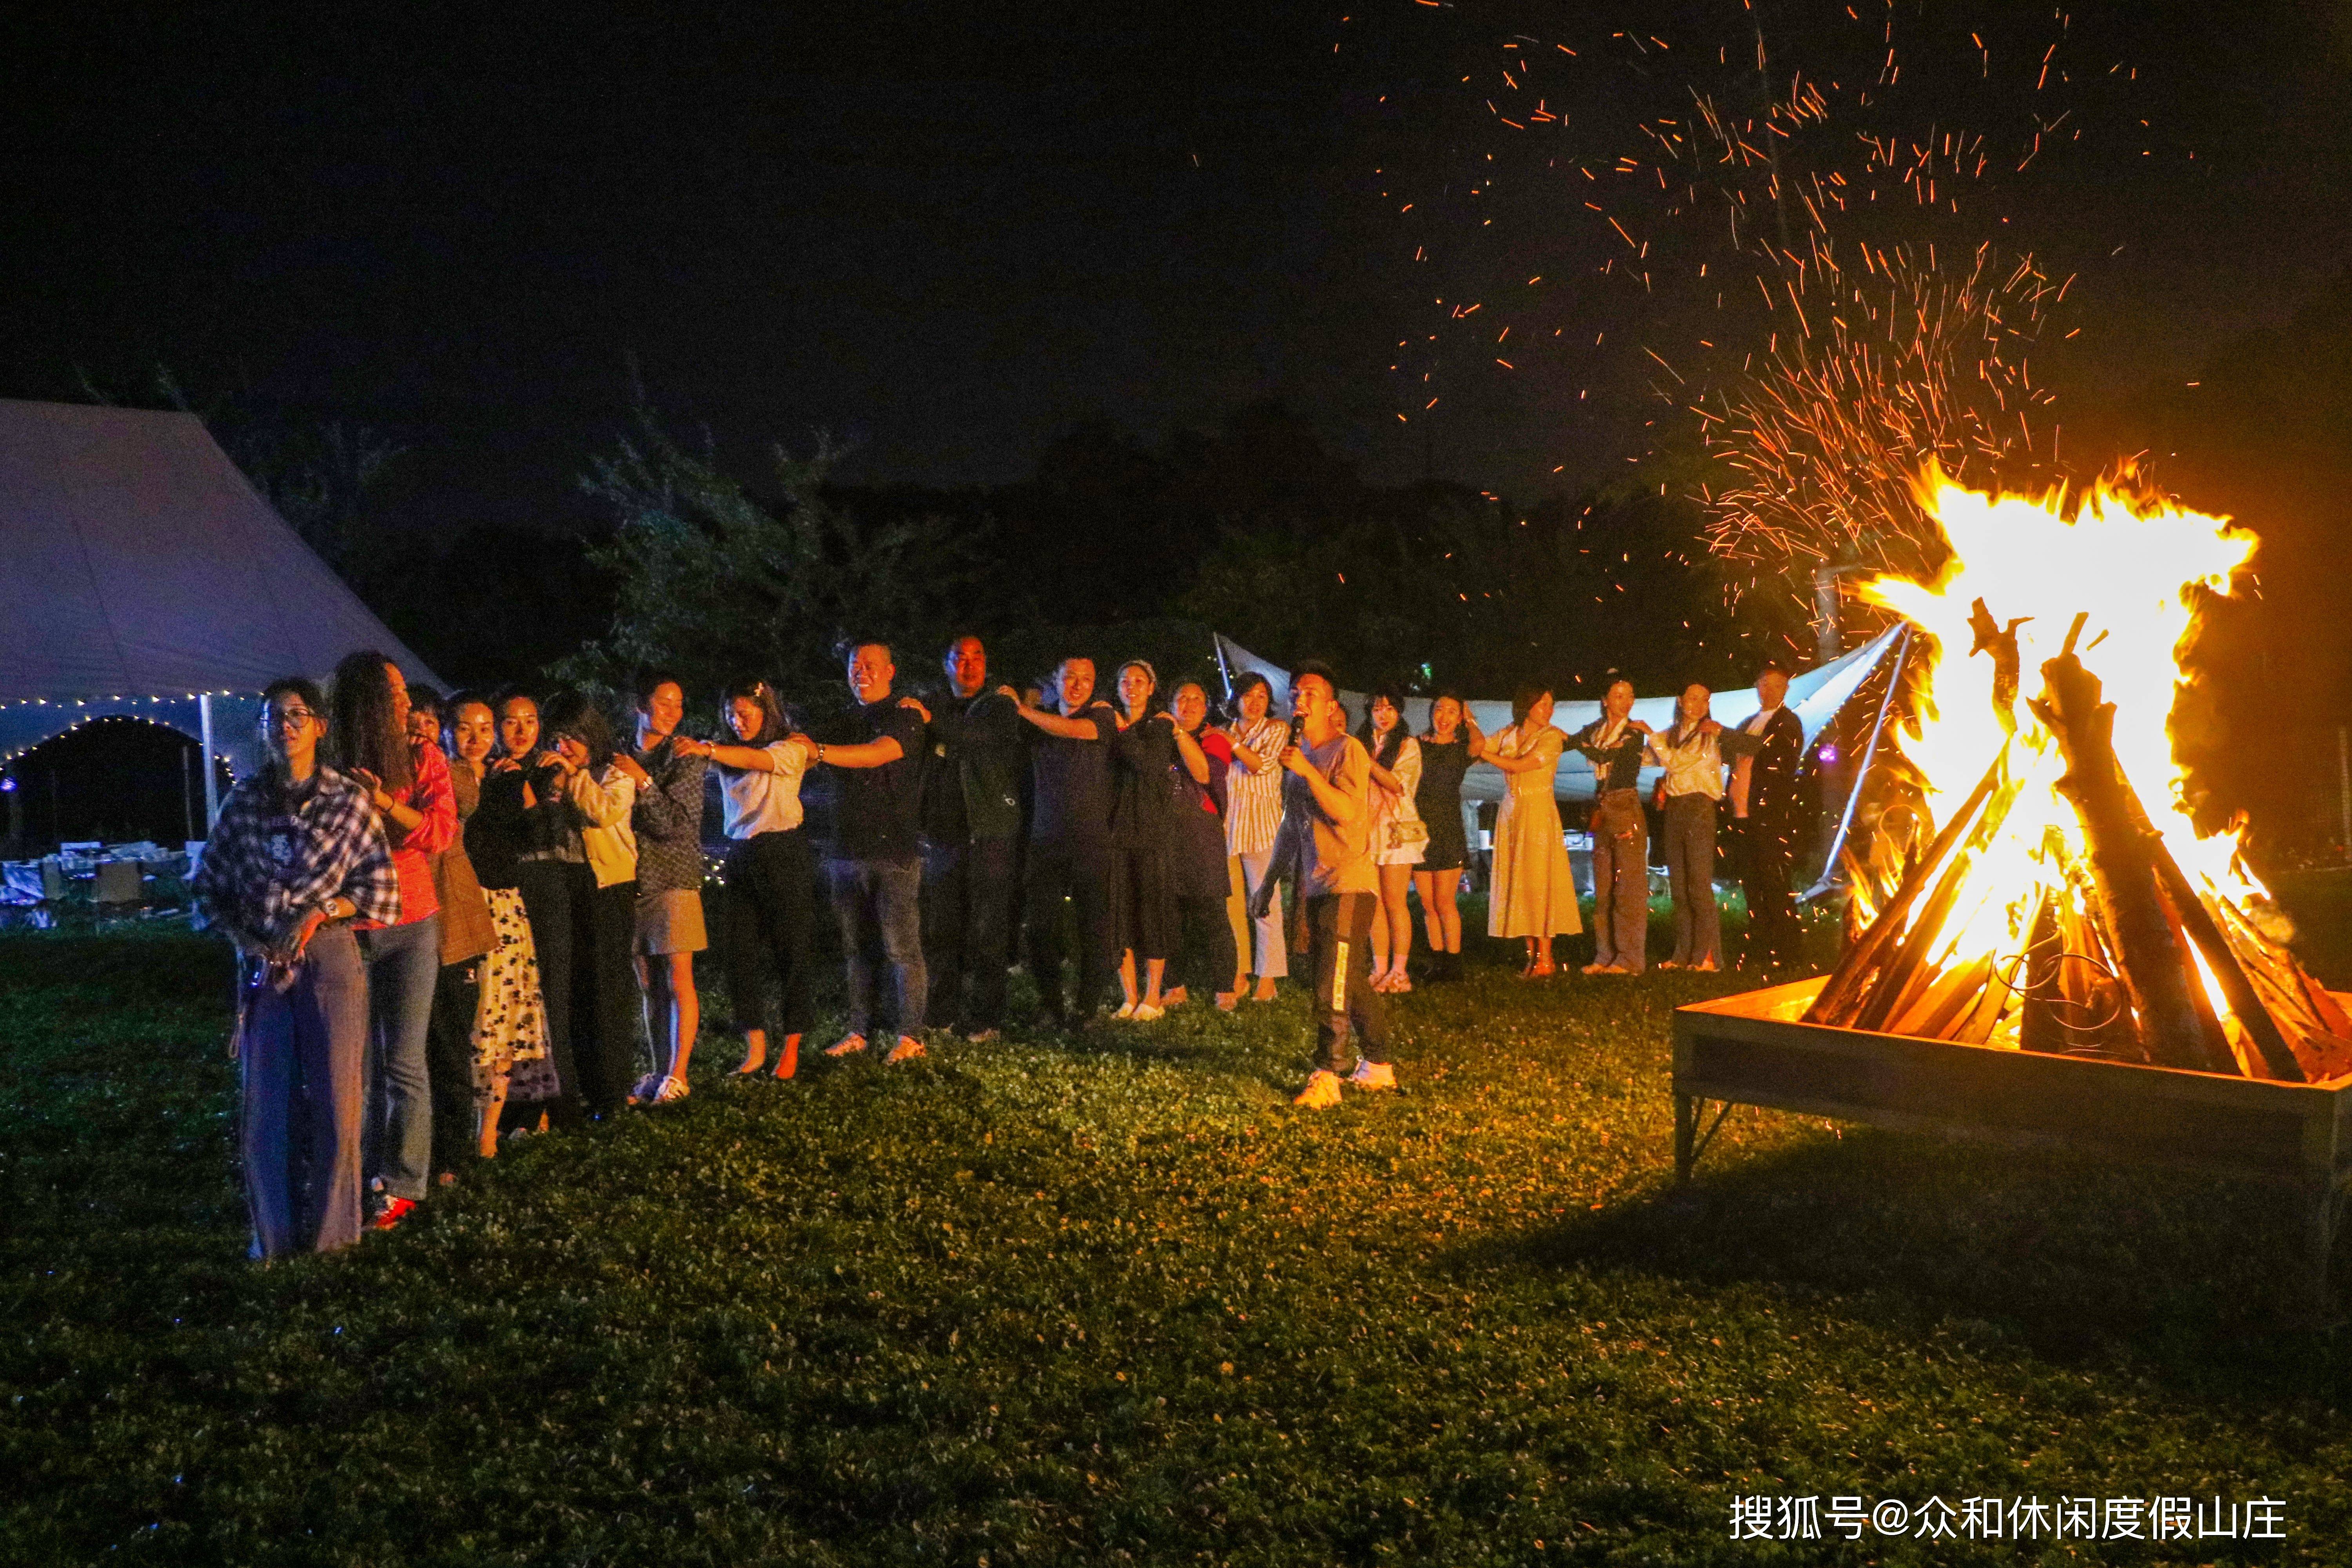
460 916
1751 770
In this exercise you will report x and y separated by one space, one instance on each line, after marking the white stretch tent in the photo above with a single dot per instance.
146 576
1815 696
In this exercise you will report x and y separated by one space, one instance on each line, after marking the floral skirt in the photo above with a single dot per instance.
510 1024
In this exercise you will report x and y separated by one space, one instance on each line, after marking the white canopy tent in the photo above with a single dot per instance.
147 577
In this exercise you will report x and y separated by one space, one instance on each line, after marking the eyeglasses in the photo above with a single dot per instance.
291 718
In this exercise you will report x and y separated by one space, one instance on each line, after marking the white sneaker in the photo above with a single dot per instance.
1372 1075
905 1050
847 1046
1322 1092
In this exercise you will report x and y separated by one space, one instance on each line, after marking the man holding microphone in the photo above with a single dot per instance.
1328 785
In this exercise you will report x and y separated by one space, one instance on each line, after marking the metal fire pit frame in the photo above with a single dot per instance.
1753 1049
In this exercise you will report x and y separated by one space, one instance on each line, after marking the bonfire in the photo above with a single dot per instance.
2052 893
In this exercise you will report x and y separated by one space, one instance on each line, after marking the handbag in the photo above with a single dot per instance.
1406 834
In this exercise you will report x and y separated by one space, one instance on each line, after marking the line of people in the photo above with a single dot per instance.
463 915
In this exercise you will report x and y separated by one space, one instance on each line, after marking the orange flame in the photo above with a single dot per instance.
2129 561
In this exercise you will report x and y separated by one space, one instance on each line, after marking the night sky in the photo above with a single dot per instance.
949 233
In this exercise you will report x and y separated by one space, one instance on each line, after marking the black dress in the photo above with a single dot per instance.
1142 820
1439 801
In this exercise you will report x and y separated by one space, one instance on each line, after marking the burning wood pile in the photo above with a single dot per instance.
2051 911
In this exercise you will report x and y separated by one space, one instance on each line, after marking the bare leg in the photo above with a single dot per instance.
1396 881
1126 977
487 1130
682 1019
755 1050
1426 884
1449 911
1153 968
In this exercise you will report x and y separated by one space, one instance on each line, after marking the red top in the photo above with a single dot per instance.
431 794
1219 749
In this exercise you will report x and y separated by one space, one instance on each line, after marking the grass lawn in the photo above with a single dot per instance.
1108 1299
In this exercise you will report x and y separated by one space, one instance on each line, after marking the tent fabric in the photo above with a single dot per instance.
1815 695
143 565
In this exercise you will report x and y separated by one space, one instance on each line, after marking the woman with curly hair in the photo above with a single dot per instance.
367 742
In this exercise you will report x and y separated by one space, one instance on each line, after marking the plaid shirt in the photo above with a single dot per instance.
669 819
271 860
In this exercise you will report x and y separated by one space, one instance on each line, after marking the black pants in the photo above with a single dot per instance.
1079 872
968 930
449 1058
1205 959
1766 850
767 929
1141 920
1339 949
604 1040
562 930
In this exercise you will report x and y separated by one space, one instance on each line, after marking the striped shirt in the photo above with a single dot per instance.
1253 799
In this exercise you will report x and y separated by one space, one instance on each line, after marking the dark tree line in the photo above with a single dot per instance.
1116 548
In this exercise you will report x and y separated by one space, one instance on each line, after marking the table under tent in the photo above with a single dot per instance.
148 579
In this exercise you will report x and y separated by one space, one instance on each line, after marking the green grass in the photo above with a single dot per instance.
1108 1299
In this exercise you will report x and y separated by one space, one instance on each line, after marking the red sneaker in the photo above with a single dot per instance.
394 1211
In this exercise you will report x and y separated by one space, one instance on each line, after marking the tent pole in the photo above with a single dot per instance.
212 780
1854 795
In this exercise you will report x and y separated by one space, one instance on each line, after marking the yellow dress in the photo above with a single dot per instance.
1533 892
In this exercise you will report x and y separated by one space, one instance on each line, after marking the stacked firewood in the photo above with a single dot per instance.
2110 962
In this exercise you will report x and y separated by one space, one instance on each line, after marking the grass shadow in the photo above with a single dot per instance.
2201 1279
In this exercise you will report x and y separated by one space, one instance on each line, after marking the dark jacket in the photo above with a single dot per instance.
1620 767
1773 798
972 773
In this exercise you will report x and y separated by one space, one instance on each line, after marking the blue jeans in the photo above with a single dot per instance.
879 902
403 963
297 1061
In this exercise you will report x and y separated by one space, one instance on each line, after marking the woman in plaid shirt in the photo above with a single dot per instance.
298 855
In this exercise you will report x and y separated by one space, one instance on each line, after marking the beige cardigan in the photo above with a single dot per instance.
605 833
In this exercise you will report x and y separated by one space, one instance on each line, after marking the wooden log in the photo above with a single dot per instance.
2040 1029
2198 922
2152 961
1906 973
2208 1018
2324 1057
1841 995
1946 1003
2102 1007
